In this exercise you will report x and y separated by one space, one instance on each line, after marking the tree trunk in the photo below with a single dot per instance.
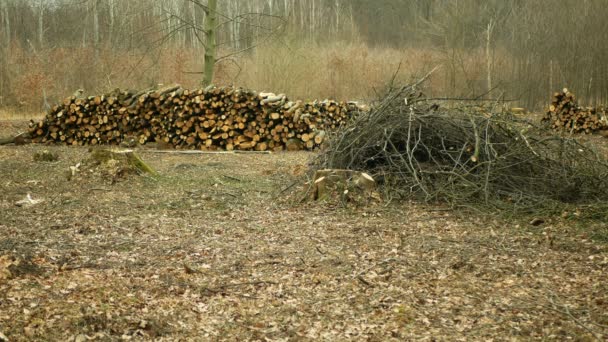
194 43
41 25
96 37
489 56
7 24
112 20
210 26
4 56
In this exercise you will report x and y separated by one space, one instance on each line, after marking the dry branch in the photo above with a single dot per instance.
465 156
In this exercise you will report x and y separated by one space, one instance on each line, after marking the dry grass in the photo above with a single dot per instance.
17 116
344 71
8 114
213 250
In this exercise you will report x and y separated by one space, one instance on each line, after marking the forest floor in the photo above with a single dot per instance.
218 247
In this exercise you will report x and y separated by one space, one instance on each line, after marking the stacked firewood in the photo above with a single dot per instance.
213 118
565 114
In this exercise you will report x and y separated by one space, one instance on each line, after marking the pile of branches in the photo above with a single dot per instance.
565 114
213 118
465 156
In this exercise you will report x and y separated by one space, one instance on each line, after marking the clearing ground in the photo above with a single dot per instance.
218 248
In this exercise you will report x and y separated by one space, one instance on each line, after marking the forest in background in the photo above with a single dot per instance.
514 49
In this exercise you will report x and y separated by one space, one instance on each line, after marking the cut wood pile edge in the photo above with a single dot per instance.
214 118
565 114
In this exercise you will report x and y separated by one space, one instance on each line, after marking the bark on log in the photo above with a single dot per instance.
19 139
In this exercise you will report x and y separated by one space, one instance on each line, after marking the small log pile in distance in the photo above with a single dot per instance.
565 114
213 118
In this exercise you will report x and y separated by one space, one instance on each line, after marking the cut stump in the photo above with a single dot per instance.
110 164
127 158
45 156
346 185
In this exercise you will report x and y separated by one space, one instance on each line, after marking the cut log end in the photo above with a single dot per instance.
213 118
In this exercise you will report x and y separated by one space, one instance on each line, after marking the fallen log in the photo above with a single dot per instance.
19 139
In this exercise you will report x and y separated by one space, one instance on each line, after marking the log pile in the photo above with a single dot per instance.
213 118
565 114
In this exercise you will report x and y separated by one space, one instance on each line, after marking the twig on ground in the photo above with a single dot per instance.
365 282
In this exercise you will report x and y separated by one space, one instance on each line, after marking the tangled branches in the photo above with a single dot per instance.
465 156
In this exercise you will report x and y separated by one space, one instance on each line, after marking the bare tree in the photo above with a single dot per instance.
525 48
210 26
41 23
224 25
96 35
4 51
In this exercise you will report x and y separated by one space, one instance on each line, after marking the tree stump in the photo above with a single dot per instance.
46 156
345 185
127 158
111 165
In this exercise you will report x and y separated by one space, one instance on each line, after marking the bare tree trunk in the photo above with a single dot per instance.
165 18
4 48
210 26
235 27
96 37
186 33
41 24
551 89
489 55
84 36
7 23
312 22
338 10
301 13
4 76
353 27
194 42
112 21
84 30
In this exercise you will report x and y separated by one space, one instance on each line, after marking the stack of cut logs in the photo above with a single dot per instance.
206 119
565 114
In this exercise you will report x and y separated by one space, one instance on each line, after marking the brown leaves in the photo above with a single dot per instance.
140 262
5 262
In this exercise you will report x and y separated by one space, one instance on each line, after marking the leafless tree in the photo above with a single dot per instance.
527 47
